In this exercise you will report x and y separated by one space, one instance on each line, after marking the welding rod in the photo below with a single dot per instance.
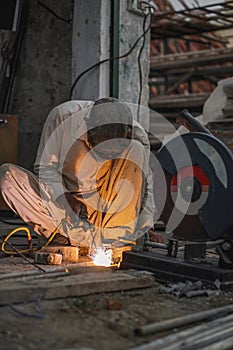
183 320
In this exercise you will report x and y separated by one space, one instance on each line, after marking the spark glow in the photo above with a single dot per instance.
103 257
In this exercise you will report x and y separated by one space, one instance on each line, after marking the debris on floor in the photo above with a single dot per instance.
191 289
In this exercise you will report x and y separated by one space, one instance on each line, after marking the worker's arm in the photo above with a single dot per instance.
62 127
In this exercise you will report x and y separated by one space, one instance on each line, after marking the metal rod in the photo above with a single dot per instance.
183 320
225 344
23 256
171 340
207 338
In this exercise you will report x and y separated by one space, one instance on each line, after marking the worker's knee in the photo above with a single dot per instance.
6 170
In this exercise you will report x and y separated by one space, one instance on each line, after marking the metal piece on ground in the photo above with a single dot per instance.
183 320
48 258
175 340
180 289
169 269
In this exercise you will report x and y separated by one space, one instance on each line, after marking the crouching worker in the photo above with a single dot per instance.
92 170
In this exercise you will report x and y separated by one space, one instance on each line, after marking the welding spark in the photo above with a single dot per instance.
102 257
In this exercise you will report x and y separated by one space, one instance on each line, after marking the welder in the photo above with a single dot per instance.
92 166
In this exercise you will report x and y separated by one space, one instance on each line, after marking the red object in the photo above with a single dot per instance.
191 171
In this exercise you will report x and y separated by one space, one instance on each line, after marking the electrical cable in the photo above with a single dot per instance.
5 241
139 63
38 312
53 12
110 59
29 238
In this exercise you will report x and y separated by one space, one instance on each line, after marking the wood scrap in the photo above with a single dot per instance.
48 288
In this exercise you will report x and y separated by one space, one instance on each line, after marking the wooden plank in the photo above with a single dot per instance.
72 285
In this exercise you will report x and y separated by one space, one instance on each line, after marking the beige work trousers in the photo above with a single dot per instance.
114 212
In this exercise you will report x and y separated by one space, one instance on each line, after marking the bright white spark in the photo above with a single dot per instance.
102 257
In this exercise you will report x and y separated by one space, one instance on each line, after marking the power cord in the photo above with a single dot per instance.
139 63
145 30
29 239
53 12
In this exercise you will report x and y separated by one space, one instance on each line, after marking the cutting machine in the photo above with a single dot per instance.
195 201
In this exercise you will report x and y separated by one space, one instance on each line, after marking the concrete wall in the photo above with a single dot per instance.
54 52
43 77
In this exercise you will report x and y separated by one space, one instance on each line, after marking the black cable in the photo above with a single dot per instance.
38 312
53 12
139 63
107 60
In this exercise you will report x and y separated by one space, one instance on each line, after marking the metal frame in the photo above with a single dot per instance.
192 21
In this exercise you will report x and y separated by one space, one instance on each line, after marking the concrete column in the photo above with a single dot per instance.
130 28
91 44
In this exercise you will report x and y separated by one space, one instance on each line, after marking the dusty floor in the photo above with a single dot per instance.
87 322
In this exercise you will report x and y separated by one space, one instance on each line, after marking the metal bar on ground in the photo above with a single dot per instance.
176 338
183 320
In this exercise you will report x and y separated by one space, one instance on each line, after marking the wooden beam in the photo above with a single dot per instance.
48 288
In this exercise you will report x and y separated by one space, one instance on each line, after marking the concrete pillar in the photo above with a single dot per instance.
91 44
130 28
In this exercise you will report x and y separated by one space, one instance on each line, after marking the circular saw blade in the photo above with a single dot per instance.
198 171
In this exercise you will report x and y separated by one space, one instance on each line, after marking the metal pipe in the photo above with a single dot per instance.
225 344
177 340
183 320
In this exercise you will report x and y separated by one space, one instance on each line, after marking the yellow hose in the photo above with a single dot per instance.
6 251
26 229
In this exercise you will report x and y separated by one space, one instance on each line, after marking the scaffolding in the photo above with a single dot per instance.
188 55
